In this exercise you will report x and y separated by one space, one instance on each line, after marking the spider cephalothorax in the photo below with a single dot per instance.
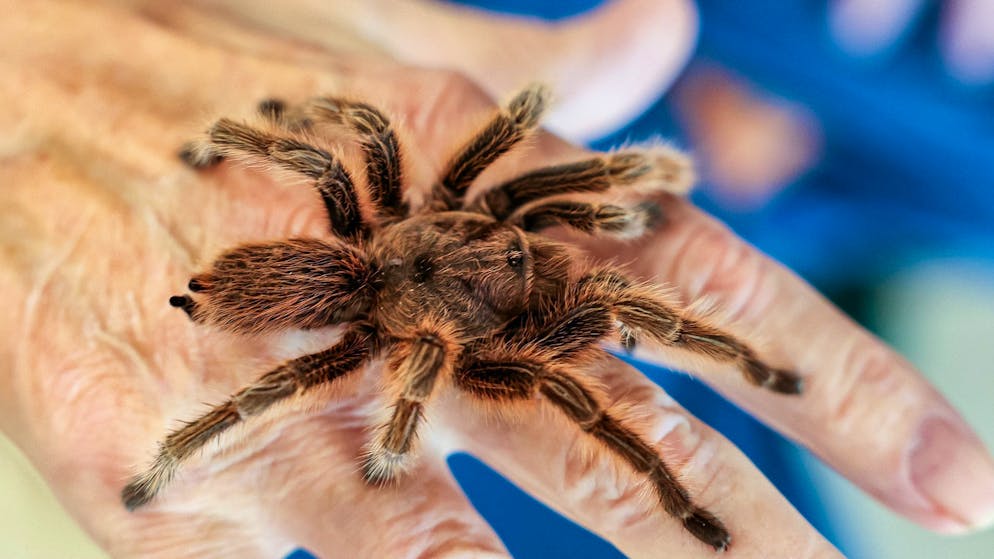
464 289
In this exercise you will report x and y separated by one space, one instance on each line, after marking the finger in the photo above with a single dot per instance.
556 462
865 410
967 40
314 490
866 27
628 51
292 478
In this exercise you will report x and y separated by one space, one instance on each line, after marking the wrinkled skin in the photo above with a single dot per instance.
102 223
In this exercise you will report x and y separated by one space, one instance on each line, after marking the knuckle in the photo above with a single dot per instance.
713 262
443 90
866 391
602 489
304 220
709 478
692 452
458 547
606 488
88 389
457 84
448 535
430 117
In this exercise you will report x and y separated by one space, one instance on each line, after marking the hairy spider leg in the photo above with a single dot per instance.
415 365
508 127
645 170
290 379
379 143
529 361
333 182
642 312
591 218
508 375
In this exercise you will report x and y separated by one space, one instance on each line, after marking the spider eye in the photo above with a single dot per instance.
515 259
422 269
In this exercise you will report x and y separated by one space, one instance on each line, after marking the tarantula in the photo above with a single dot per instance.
459 288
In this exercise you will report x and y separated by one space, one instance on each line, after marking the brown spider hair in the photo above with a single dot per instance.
460 288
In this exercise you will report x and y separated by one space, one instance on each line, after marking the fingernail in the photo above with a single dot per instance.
951 468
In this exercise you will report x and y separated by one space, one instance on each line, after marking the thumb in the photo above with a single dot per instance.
626 51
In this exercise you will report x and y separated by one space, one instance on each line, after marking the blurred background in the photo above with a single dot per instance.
851 140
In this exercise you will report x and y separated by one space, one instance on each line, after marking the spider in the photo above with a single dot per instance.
462 288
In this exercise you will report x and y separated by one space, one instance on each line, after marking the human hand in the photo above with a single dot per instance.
606 66
104 224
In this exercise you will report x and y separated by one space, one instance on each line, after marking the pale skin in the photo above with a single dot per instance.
102 223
